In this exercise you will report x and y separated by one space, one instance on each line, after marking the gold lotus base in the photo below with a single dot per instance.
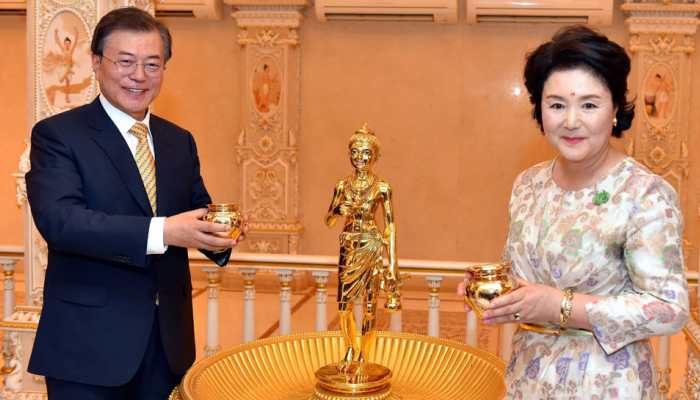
283 368
359 380
320 394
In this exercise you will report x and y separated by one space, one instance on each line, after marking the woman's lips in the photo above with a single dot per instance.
572 139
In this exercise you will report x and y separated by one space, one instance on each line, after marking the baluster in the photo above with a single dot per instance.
662 367
213 283
321 278
471 329
8 266
434 282
285 277
248 275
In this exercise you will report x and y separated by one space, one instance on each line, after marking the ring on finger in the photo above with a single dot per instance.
516 316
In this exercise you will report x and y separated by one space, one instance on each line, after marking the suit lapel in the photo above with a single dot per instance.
112 143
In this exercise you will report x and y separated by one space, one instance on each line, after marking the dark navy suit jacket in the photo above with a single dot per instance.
89 203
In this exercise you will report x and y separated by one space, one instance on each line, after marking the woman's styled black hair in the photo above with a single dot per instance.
581 47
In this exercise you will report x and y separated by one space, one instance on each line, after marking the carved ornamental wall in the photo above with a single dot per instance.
267 148
662 43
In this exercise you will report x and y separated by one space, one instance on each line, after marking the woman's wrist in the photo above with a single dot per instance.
567 306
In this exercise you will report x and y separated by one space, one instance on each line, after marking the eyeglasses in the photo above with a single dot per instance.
127 66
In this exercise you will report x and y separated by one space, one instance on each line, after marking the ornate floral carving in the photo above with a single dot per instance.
266 144
146 5
691 384
266 122
20 183
662 44
659 134
20 188
36 294
264 246
267 38
657 155
13 355
294 244
24 163
6 395
265 193
269 17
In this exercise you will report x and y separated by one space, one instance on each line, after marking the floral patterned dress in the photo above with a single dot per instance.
627 249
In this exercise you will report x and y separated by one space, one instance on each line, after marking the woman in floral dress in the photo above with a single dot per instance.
595 237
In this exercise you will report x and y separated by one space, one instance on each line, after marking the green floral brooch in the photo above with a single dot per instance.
601 198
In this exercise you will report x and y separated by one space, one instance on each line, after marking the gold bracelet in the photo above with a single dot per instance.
567 306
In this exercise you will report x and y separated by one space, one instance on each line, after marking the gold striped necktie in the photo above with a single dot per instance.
145 162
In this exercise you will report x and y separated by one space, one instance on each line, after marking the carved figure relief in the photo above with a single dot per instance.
66 74
659 93
266 86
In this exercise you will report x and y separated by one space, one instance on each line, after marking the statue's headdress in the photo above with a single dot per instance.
366 135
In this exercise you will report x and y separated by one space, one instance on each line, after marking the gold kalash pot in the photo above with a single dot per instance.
487 282
226 213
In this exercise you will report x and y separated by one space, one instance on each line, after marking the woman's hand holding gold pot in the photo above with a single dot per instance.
485 282
530 302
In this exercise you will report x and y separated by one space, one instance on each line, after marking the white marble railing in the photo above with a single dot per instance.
321 267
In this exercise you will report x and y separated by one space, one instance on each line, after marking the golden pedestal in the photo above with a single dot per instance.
283 368
373 382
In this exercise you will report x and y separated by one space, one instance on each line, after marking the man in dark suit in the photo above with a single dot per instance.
117 194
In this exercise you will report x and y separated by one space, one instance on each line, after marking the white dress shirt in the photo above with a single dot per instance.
124 122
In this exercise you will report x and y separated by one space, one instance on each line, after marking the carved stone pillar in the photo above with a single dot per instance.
266 150
662 41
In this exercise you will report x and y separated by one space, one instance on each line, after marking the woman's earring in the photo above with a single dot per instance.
615 121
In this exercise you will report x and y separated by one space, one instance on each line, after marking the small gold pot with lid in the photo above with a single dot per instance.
487 282
226 213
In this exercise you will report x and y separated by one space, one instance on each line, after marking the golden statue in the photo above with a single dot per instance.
361 270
